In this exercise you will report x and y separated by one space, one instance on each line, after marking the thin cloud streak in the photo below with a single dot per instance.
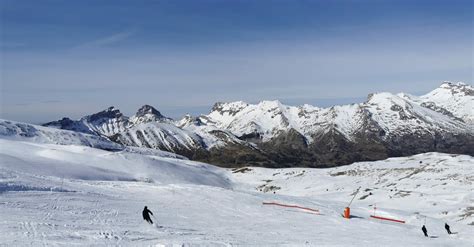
108 40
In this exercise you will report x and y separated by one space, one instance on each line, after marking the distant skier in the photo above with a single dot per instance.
146 215
424 230
446 226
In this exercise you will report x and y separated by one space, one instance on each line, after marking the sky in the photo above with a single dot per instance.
73 58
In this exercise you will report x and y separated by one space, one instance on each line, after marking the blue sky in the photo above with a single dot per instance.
72 58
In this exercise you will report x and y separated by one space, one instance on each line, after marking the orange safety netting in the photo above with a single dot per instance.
384 218
291 206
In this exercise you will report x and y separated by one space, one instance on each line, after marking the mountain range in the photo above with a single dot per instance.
272 134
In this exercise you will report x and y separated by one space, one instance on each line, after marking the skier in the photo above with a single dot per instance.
146 215
424 230
446 226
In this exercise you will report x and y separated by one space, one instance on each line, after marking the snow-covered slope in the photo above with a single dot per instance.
76 195
29 132
454 98
158 135
86 163
211 136
423 183
395 114
266 119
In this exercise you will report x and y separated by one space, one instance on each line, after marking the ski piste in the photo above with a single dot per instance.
88 196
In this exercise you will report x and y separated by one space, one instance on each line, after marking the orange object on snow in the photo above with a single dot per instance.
290 206
347 212
385 218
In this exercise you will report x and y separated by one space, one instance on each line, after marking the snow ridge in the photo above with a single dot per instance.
28 132
394 113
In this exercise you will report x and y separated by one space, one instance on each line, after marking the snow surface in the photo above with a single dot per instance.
457 98
396 114
160 136
70 195
23 131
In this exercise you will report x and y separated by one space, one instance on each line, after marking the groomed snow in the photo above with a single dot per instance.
67 195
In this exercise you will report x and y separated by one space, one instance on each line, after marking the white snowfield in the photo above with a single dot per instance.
23 131
70 195
457 98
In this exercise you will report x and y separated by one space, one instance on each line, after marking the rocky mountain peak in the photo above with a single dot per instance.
188 120
270 103
64 123
384 99
449 84
458 88
148 109
231 108
108 113
146 114
271 106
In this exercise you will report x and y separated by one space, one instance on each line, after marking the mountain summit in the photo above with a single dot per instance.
147 114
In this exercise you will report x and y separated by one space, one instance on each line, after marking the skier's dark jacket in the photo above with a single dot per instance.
145 213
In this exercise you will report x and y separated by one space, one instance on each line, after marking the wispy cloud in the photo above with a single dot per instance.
108 40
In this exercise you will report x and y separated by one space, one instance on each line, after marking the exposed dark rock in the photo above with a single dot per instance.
109 113
147 109
434 107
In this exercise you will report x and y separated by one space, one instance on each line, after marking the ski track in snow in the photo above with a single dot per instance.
42 206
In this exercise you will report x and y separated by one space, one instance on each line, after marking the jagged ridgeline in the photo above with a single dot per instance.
271 134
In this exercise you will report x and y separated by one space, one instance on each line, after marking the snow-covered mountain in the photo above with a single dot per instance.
104 123
391 114
147 114
272 134
158 135
28 132
147 128
384 125
456 99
